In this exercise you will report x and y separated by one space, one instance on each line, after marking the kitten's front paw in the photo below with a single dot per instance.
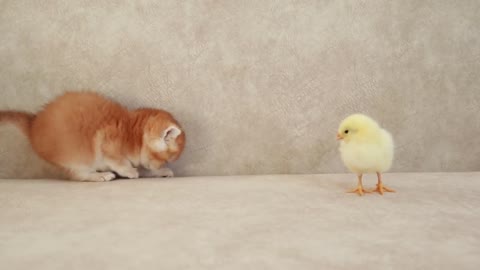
163 172
130 173
167 172
101 177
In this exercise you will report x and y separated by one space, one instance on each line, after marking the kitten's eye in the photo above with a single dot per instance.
346 131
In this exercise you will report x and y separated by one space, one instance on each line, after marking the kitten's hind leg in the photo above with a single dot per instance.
92 176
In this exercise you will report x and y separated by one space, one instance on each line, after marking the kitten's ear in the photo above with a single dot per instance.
167 139
171 133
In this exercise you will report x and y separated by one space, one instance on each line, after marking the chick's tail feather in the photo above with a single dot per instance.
23 120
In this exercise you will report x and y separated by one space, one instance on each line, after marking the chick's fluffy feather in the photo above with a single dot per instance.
366 147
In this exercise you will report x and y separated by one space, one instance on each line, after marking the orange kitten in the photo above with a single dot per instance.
91 137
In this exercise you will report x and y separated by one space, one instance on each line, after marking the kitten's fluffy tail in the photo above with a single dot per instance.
22 120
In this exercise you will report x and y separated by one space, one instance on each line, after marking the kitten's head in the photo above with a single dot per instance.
164 141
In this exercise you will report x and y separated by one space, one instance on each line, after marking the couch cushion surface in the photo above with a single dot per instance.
241 222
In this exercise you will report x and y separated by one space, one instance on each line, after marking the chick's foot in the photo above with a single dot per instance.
359 190
381 189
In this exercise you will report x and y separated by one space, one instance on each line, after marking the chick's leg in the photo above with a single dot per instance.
380 187
359 190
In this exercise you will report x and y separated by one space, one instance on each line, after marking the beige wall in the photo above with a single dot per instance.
260 86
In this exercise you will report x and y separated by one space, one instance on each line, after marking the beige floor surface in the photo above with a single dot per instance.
242 222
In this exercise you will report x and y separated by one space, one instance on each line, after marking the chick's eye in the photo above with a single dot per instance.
346 131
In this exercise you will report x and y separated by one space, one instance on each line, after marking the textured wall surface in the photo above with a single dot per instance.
260 86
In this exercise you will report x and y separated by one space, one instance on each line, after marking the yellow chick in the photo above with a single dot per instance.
365 147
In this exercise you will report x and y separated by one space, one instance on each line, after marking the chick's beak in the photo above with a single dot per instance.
339 137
